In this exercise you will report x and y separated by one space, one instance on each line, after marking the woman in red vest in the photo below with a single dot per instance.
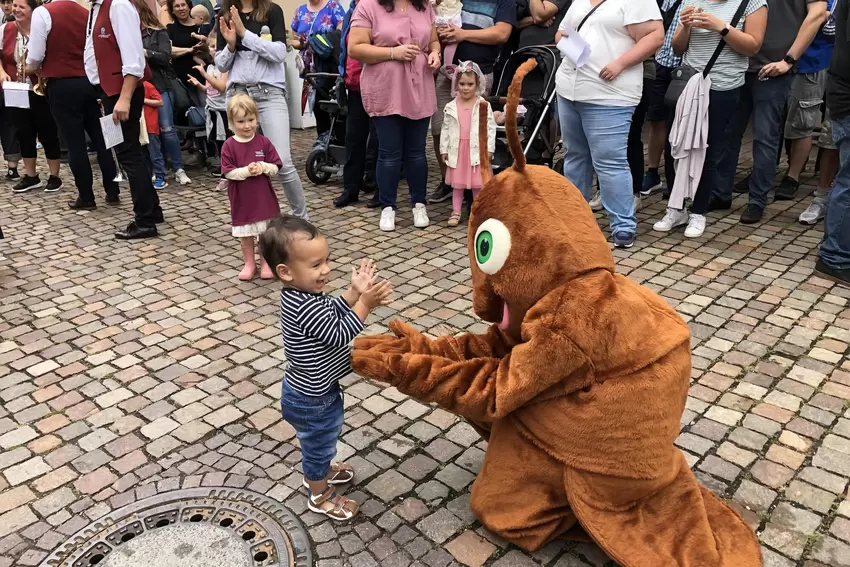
36 123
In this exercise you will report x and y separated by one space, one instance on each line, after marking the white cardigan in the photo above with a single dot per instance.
450 134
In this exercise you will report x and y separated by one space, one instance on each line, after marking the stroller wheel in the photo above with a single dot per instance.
315 161
558 165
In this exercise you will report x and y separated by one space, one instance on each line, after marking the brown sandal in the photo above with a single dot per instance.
343 509
341 473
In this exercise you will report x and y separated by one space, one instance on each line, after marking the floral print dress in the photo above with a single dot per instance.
305 23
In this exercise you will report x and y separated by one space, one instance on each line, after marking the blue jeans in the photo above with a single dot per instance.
168 134
596 138
764 100
318 424
155 155
401 140
835 248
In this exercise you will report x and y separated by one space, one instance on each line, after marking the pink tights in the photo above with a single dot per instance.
457 198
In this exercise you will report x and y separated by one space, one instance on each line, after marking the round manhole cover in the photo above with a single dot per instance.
197 527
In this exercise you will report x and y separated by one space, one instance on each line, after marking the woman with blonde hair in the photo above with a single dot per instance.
157 47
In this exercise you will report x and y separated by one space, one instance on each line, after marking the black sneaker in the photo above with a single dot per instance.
113 200
787 190
374 203
12 174
53 184
78 205
743 186
752 214
440 194
26 183
841 277
717 204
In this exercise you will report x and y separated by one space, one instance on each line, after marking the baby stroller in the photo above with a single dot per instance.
327 157
540 119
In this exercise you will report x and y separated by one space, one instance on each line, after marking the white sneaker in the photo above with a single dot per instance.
815 212
596 202
696 226
387 219
674 218
181 177
638 203
420 216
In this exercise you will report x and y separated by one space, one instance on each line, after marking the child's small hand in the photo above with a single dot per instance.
193 81
445 157
377 295
255 169
362 278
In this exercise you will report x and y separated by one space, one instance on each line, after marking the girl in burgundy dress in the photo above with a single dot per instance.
248 161
459 136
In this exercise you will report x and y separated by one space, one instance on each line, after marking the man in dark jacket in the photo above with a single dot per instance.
834 257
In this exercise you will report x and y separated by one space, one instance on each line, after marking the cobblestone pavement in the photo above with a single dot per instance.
132 368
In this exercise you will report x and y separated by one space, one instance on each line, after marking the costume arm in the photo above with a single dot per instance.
483 388
408 340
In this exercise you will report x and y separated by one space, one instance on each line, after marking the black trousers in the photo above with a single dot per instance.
129 152
358 125
634 150
73 102
35 124
8 134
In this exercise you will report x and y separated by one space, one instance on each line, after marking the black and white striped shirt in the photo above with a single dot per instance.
317 333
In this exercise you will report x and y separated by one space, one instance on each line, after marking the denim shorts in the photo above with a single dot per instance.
318 424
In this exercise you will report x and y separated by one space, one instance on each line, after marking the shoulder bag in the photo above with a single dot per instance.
683 73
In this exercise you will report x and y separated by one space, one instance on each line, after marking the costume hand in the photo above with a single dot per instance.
384 367
121 112
228 33
255 169
378 294
434 60
774 69
237 22
611 71
451 34
362 278
405 52
406 339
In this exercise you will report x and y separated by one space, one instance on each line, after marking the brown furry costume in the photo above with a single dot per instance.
580 410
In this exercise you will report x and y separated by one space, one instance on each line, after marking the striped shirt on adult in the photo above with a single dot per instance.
729 71
317 333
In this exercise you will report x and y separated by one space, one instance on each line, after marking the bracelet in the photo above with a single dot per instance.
391 54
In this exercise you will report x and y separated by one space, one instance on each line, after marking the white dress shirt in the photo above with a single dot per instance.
127 29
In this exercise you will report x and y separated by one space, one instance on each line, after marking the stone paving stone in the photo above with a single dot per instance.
163 371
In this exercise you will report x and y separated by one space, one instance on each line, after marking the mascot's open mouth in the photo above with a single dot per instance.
506 316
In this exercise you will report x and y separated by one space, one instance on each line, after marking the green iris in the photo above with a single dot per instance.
484 247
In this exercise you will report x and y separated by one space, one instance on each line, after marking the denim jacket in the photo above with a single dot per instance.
343 40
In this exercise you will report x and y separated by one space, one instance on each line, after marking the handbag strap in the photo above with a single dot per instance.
588 15
734 23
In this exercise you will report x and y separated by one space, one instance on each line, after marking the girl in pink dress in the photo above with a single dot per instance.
459 136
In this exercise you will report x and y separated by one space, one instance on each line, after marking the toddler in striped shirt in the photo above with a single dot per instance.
318 330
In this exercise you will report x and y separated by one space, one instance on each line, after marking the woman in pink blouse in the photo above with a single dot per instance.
397 42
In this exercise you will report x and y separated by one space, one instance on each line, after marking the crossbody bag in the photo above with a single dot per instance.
683 73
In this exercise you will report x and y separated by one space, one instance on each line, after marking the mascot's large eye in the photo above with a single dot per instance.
492 246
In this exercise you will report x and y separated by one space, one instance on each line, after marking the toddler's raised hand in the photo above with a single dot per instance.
362 278
377 295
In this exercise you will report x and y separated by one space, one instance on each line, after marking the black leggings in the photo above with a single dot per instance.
635 143
34 125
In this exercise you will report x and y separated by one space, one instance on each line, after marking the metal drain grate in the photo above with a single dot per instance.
196 527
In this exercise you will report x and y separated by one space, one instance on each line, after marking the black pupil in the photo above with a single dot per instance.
485 247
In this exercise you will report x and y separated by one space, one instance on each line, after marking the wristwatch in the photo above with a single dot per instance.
725 31
790 60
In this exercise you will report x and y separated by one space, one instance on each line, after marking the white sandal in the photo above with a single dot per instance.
342 510
341 473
